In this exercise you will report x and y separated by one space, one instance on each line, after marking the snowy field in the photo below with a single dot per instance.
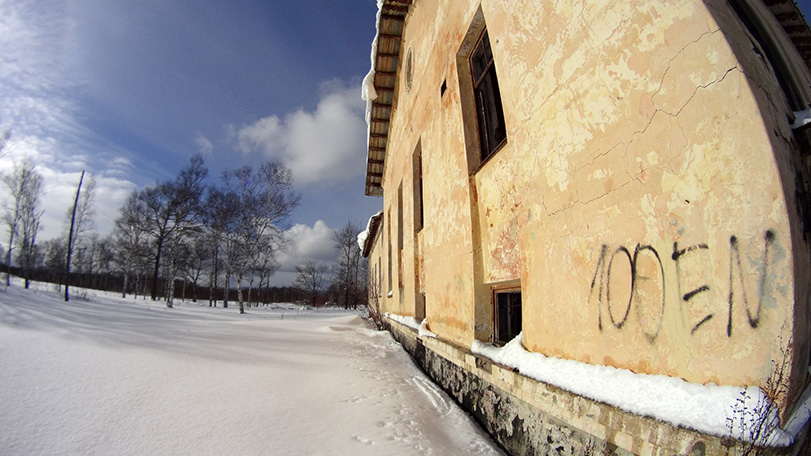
102 375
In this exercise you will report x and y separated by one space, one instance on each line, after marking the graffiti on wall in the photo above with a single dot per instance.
630 285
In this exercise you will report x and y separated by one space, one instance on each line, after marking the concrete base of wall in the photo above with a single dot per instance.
530 417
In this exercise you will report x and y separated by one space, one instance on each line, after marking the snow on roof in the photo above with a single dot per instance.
801 119
378 87
369 233
368 92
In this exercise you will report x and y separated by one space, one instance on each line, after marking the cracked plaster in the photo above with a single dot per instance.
638 127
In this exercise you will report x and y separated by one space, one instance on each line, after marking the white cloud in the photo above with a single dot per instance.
37 89
35 75
325 146
204 144
307 243
59 187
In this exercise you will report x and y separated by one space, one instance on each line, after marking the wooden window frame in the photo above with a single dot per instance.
512 291
487 99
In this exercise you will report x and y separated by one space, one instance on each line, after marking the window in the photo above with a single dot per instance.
400 237
489 113
400 217
416 161
508 315
419 311
388 257
409 69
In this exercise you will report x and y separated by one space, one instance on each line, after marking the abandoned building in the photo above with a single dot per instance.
625 185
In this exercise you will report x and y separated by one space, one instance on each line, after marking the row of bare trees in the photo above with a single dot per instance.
349 274
22 216
182 230
188 230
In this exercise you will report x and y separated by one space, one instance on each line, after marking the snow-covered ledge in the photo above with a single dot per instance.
711 409
530 403
411 322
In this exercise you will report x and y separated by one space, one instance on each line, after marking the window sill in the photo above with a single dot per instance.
489 157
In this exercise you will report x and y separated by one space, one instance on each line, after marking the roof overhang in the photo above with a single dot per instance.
371 234
386 64
791 19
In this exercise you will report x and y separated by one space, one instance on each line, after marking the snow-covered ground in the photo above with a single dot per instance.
103 375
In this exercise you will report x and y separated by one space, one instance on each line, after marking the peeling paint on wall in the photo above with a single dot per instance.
644 198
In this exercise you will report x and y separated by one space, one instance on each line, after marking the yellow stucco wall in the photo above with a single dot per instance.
642 201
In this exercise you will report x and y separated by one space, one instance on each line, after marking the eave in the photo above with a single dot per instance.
386 65
791 19
373 228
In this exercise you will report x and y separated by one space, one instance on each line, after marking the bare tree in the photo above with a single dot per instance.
264 198
106 258
199 259
29 256
373 300
265 264
130 239
347 272
178 254
80 217
24 186
310 278
218 213
171 209
222 207
54 251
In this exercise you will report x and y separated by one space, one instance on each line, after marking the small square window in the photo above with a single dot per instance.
507 316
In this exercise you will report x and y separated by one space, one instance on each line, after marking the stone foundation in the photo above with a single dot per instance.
530 417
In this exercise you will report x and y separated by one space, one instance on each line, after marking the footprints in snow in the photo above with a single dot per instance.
433 393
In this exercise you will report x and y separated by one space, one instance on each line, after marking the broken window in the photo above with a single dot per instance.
508 315
489 113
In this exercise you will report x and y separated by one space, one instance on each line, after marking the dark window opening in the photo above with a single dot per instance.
419 312
419 214
400 237
489 112
508 316
388 256
400 217
443 89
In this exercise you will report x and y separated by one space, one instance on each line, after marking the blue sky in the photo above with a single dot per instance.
129 90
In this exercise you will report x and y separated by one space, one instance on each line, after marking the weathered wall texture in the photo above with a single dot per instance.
532 418
644 200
